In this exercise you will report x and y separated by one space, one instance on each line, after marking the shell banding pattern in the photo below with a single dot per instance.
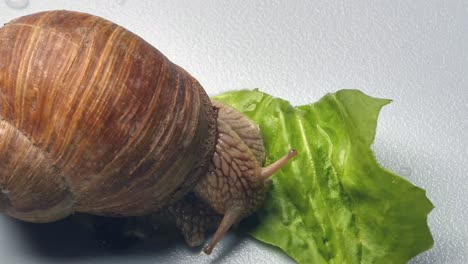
94 119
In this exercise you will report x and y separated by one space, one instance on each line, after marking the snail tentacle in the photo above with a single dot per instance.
231 217
194 219
275 166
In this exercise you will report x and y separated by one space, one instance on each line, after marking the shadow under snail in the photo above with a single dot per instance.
93 119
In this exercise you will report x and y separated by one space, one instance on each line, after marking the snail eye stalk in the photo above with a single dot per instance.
231 217
275 166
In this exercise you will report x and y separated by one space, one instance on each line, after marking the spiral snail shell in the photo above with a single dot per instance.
94 119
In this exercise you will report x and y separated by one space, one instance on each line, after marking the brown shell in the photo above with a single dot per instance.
94 119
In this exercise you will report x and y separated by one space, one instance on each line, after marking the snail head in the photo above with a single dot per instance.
235 183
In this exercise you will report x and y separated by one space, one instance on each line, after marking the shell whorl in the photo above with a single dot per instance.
113 125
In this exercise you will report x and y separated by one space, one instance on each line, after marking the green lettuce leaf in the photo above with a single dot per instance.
334 203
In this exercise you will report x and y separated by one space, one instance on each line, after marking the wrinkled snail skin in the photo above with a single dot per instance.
94 119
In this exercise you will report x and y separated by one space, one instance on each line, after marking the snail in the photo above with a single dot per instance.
93 119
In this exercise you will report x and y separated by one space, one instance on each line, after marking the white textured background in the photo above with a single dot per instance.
415 52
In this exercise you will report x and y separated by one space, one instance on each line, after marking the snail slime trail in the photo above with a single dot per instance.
87 124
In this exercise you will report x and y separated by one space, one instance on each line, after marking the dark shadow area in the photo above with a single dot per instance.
83 237
73 238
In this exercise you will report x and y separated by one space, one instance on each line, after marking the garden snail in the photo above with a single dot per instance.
93 119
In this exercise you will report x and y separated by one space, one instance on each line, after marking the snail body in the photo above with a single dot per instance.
94 119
